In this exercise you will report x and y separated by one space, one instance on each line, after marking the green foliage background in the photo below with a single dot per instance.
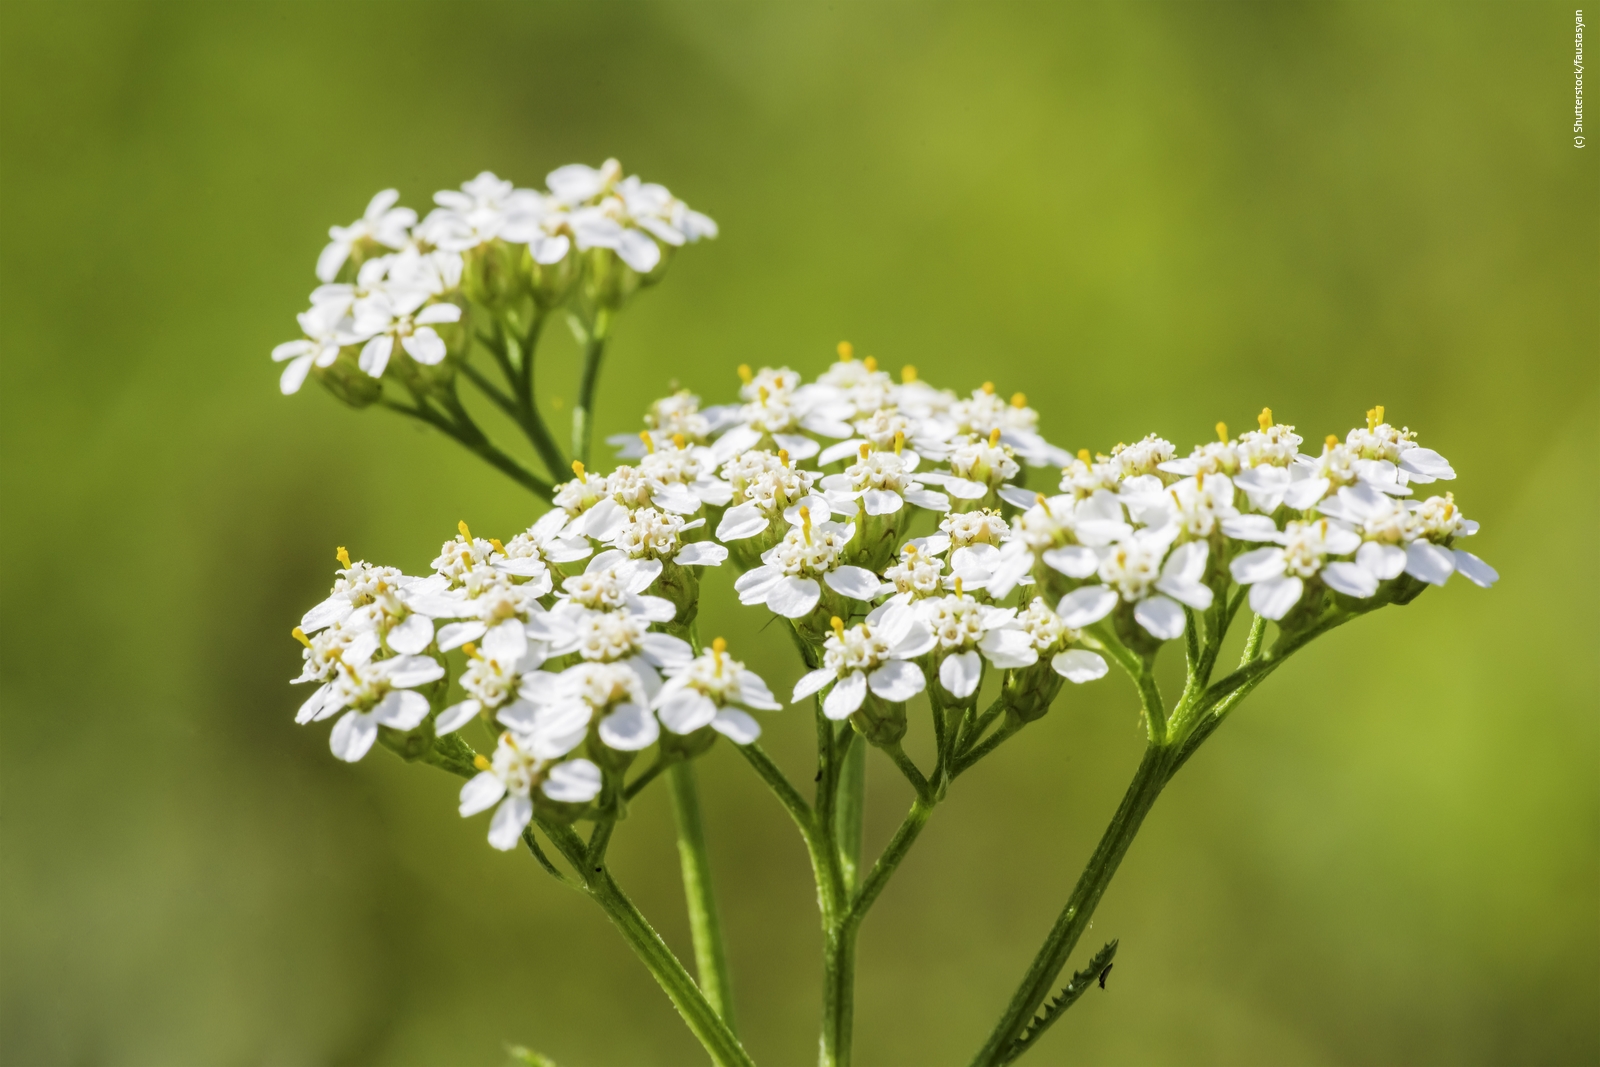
1146 216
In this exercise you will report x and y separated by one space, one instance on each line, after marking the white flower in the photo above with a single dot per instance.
649 534
871 655
1142 457
960 626
1381 441
386 317
493 674
548 540
1399 536
681 478
320 347
702 692
610 636
764 486
883 483
1277 575
485 208
556 710
612 582
787 582
1043 633
918 573
976 467
382 223
512 775
1139 570
377 692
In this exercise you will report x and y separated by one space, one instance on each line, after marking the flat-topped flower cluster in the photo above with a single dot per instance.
891 525
395 288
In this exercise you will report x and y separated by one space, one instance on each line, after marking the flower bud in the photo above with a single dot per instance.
1028 692
879 721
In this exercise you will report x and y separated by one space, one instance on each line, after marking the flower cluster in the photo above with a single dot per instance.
886 523
395 288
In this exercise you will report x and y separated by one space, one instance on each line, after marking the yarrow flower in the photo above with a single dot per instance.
869 656
509 780
710 690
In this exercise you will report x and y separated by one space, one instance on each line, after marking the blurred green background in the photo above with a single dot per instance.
1148 217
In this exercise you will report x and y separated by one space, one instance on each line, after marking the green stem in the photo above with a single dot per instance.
469 435
1040 979
710 960
849 812
594 350
533 425
889 861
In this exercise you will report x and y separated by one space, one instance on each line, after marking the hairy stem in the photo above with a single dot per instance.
710 959
1040 979
850 810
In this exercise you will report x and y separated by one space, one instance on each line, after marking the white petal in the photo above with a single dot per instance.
425 346
505 829
1350 579
741 521
352 736
481 793
1187 562
375 355
629 728
1086 606
638 251
927 498
308 711
736 726
455 717
896 680
1429 563
335 609
846 696
666 651
1475 570
686 711
881 502
457 634
1382 561
576 781
1250 528
1258 565
701 554
1018 497
1273 597
1194 594
960 673
1163 618
1079 666
408 671
811 683
831 454
1007 647
1304 494
857 583
294 375
753 692
401 709
1075 561
411 635
437 313
794 597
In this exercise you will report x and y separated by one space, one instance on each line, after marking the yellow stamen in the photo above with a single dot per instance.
783 456
498 547
577 468
994 437
1331 441
471 650
481 762
718 648
863 450
1374 418
988 387
958 586
1019 400
679 442
761 391
343 557
838 627
1264 420
871 363
1222 432
744 373
1083 454
1199 480
908 374
300 635
899 441
805 523
466 559
1038 498
465 533
846 350
649 443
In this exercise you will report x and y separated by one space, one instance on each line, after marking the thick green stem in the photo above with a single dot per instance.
594 350
1040 980
710 960
838 994
889 861
848 813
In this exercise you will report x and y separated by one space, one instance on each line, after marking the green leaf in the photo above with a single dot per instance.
1099 966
